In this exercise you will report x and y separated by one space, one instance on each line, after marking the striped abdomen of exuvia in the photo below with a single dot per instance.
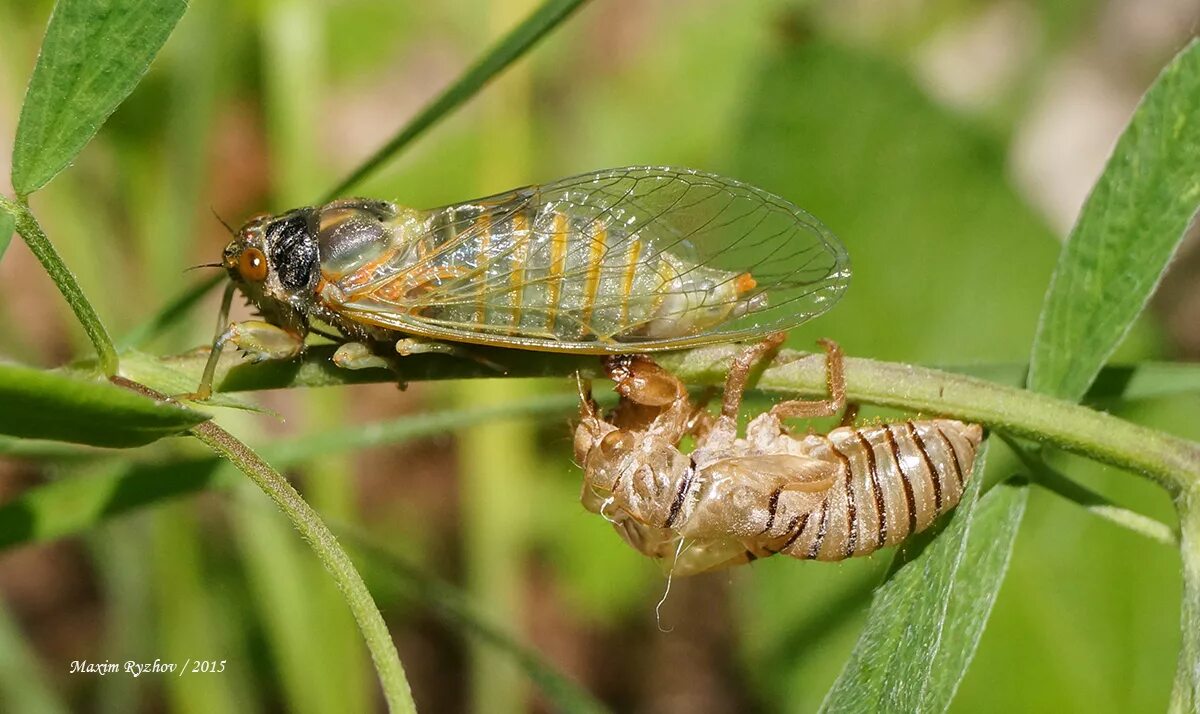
540 272
877 486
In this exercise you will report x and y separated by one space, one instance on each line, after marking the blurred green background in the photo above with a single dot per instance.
948 143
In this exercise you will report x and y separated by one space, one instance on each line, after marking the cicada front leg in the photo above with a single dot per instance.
835 379
261 340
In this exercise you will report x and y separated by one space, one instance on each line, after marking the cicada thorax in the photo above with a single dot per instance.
513 266
893 480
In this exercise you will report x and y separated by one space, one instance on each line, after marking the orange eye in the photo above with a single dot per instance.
252 265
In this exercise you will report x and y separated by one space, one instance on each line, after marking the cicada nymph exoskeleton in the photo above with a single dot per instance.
616 261
734 498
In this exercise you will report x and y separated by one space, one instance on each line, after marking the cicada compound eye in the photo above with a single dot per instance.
252 265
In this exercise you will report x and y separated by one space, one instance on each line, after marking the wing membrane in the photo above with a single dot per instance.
542 267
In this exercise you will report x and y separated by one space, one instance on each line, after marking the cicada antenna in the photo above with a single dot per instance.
203 265
223 222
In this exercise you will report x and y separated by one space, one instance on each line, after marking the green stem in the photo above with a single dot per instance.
35 238
1171 461
318 536
1186 694
506 51
331 555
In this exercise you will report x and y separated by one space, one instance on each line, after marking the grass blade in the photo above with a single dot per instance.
1127 232
92 57
926 620
509 49
49 405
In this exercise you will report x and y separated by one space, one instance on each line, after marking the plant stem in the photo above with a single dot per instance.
318 536
335 560
1185 696
35 238
1171 461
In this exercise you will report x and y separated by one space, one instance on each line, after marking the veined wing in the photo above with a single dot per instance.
621 260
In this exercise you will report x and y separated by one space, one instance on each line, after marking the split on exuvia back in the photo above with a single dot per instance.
734 499
616 261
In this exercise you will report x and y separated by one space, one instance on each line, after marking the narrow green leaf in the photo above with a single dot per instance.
1114 383
71 505
1114 258
1097 504
49 405
93 55
8 224
1126 234
509 49
926 620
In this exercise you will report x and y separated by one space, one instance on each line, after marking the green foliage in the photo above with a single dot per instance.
921 198
507 50
93 55
926 620
7 225
1128 230
50 405
867 169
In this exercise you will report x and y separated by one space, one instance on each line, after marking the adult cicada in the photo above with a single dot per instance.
617 261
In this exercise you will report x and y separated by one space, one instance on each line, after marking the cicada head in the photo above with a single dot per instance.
275 262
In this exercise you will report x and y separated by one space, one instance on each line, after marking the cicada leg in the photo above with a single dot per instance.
414 346
261 340
356 355
640 380
835 378
739 373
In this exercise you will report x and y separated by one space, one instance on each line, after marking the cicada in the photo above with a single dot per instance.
617 261
733 499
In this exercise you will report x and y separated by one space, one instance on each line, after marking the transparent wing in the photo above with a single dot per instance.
574 264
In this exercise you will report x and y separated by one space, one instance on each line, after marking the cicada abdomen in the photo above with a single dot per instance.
734 499
892 481
520 267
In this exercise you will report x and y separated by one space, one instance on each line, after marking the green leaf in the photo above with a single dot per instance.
926 620
71 505
8 224
49 405
509 49
93 55
912 190
1127 232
